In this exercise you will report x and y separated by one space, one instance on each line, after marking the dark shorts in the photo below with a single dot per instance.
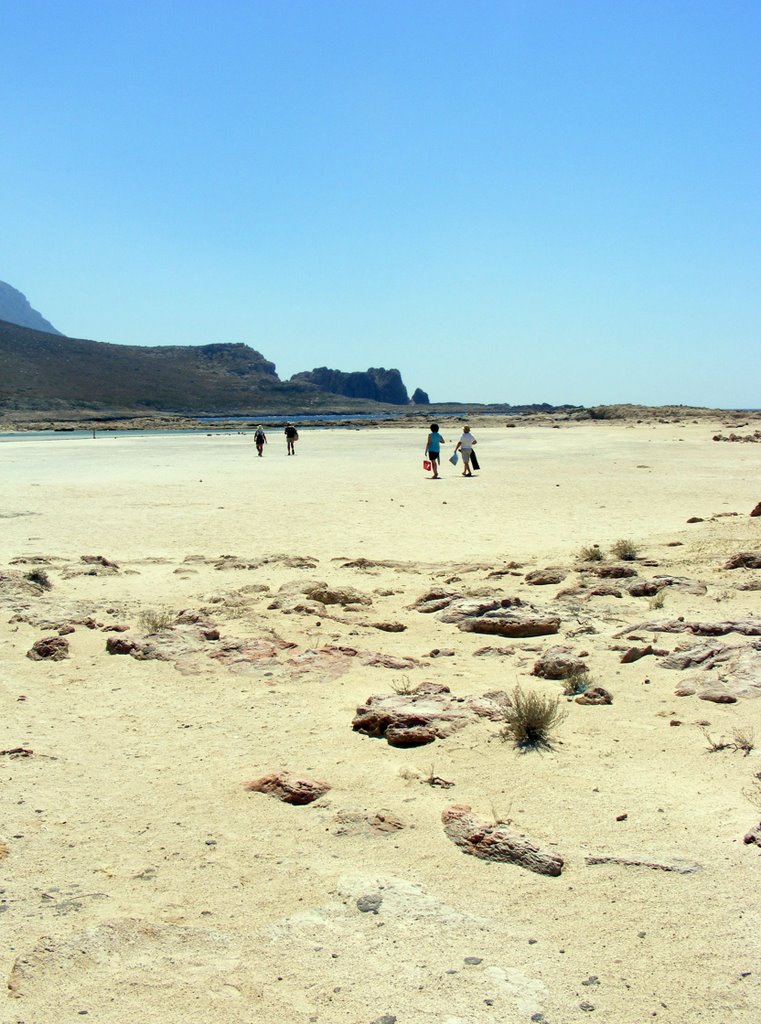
434 456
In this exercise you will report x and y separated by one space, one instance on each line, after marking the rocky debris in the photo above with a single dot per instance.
15 585
648 588
352 823
494 652
706 655
428 712
734 671
753 438
605 590
545 577
388 627
92 565
559 663
441 652
510 569
326 595
754 836
50 648
226 562
612 572
409 735
595 695
470 607
717 696
684 691
756 510
747 627
289 787
435 600
635 653
744 560
519 623
17 752
495 841
677 864
122 645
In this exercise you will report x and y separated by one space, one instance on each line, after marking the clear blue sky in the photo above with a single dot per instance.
509 201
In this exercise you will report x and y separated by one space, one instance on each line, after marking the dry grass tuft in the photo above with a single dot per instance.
531 719
626 550
156 620
592 553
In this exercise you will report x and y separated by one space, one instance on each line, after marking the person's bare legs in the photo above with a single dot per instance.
465 462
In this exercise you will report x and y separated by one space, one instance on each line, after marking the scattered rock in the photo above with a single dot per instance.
717 696
389 627
495 841
635 653
441 652
744 560
757 510
328 595
754 836
50 648
695 519
428 712
289 787
494 652
595 695
558 663
676 864
684 691
613 572
544 577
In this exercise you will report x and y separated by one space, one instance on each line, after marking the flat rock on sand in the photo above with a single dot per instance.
340 959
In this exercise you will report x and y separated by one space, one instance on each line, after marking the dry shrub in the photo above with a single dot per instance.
658 600
626 550
577 682
156 620
530 719
592 553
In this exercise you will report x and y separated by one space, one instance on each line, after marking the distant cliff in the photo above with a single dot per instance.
376 384
15 308
44 371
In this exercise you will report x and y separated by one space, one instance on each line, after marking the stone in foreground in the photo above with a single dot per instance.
494 841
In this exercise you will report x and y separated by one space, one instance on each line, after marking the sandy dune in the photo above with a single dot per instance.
142 881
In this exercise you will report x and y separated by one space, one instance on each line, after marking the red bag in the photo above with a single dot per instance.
427 466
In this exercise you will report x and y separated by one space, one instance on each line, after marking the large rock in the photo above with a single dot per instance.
377 383
428 712
50 648
558 663
519 623
495 841
289 787
744 560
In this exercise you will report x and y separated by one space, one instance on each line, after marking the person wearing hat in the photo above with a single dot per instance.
465 447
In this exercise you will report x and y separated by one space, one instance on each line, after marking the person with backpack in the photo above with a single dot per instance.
291 437
260 439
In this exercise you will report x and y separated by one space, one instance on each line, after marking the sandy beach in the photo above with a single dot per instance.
224 616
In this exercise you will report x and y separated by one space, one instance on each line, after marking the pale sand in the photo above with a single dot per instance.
232 907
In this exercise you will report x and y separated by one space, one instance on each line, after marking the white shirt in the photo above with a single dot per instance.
467 440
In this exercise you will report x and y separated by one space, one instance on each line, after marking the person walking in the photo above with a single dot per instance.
260 439
465 447
433 449
291 437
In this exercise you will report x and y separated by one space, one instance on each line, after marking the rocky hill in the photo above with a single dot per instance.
44 371
15 308
376 384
